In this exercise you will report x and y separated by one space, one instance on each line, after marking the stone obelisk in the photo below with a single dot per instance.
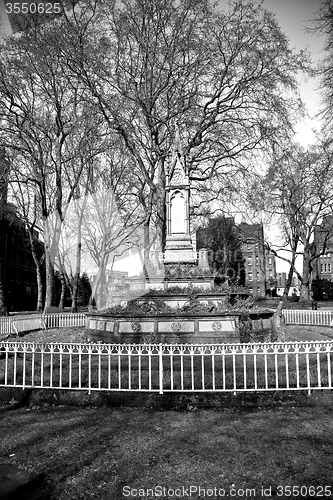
178 247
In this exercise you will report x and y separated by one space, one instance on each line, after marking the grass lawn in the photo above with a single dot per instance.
75 334
103 453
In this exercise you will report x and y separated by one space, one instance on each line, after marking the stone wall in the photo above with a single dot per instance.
156 329
192 329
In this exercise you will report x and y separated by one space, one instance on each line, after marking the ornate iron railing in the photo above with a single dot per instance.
168 368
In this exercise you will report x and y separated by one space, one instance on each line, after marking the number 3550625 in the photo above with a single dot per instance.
33 8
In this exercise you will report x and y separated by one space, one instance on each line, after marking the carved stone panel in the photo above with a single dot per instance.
178 175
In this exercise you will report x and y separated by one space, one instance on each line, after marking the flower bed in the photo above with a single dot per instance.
194 322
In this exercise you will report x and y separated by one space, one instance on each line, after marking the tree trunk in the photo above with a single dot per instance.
49 290
38 263
161 208
63 291
95 299
69 285
63 284
39 307
49 268
3 302
51 250
289 281
291 271
306 275
146 248
77 267
278 320
4 170
98 288
75 291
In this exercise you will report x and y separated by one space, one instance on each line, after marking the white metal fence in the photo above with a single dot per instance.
22 323
308 317
164 368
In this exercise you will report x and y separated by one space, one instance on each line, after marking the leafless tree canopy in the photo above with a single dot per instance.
124 77
324 22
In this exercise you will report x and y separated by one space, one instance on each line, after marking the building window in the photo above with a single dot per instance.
325 267
257 260
329 267
321 268
250 277
258 277
249 261
270 261
258 290
251 290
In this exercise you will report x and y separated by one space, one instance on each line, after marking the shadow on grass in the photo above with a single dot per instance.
96 452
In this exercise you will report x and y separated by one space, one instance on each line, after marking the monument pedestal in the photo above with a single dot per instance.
179 249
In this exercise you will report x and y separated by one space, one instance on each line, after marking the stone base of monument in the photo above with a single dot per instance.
157 283
184 329
18 484
179 300
179 251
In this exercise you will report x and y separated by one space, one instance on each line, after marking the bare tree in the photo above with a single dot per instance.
28 209
297 193
4 174
79 206
324 25
49 122
70 249
226 78
111 216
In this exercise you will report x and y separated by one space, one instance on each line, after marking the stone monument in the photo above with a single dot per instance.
178 246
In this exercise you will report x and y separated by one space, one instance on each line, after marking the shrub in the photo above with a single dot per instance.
245 327
322 289
140 307
144 306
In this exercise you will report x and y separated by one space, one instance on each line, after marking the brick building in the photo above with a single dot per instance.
259 263
323 266
17 264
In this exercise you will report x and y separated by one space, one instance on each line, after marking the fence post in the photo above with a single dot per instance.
160 368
